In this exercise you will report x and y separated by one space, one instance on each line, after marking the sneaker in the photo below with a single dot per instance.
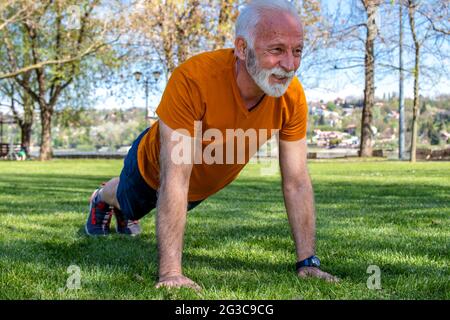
126 226
99 217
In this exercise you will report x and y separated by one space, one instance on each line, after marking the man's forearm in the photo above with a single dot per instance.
170 226
299 202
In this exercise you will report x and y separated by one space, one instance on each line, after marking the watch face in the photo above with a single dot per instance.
315 261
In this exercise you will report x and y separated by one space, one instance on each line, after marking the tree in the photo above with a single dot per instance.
16 12
9 16
51 35
350 51
170 31
228 14
365 149
22 108
433 24
412 5
21 104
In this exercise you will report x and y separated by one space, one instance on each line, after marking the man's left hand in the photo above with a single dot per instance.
305 272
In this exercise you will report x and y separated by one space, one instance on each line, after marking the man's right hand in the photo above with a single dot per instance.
177 282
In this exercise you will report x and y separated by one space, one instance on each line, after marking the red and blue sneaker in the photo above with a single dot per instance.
99 217
125 225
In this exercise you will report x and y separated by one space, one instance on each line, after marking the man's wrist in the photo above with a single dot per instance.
312 261
170 273
305 255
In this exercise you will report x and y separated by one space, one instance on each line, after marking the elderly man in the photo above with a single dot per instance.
250 87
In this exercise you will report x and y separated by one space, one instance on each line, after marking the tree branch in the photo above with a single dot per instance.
41 64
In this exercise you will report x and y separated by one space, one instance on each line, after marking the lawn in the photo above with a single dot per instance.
237 245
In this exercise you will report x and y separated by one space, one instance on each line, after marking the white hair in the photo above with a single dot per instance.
251 15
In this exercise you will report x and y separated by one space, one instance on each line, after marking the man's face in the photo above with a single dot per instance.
277 52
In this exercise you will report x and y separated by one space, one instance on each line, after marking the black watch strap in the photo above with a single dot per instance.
312 261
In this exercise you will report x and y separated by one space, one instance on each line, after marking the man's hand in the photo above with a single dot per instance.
305 272
177 282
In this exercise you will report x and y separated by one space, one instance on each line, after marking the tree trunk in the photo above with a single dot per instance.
415 107
26 137
27 124
46 152
411 11
369 89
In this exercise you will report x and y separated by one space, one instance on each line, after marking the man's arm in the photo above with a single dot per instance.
299 201
172 210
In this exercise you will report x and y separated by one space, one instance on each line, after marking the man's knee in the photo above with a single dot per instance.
109 190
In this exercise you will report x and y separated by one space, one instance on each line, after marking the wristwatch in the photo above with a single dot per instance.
312 261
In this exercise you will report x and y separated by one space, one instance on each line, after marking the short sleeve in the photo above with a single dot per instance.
296 115
181 103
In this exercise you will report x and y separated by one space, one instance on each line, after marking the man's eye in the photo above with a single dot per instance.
298 52
276 50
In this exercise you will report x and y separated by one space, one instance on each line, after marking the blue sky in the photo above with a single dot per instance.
335 84
345 83
331 84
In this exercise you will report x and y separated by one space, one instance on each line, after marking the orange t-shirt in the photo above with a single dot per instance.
204 89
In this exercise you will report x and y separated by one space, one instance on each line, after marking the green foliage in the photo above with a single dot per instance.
321 120
331 106
325 127
335 142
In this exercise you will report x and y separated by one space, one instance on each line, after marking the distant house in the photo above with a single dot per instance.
347 110
388 134
339 101
351 129
393 114
123 149
333 119
352 141
329 138
445 136
443 115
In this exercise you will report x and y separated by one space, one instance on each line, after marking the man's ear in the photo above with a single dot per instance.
240 48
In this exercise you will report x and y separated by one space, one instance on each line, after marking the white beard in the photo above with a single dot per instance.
261 76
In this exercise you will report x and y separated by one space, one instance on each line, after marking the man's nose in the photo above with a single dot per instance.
288 62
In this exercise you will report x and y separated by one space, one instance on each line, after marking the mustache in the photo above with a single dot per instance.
281 73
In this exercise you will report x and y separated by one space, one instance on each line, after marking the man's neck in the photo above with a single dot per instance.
249 90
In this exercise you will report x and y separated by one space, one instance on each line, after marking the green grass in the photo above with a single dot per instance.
237 245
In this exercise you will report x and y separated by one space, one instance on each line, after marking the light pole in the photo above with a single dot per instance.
147 81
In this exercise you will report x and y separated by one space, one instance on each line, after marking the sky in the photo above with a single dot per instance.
339 88
333 85
339 85
329 89
335 89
